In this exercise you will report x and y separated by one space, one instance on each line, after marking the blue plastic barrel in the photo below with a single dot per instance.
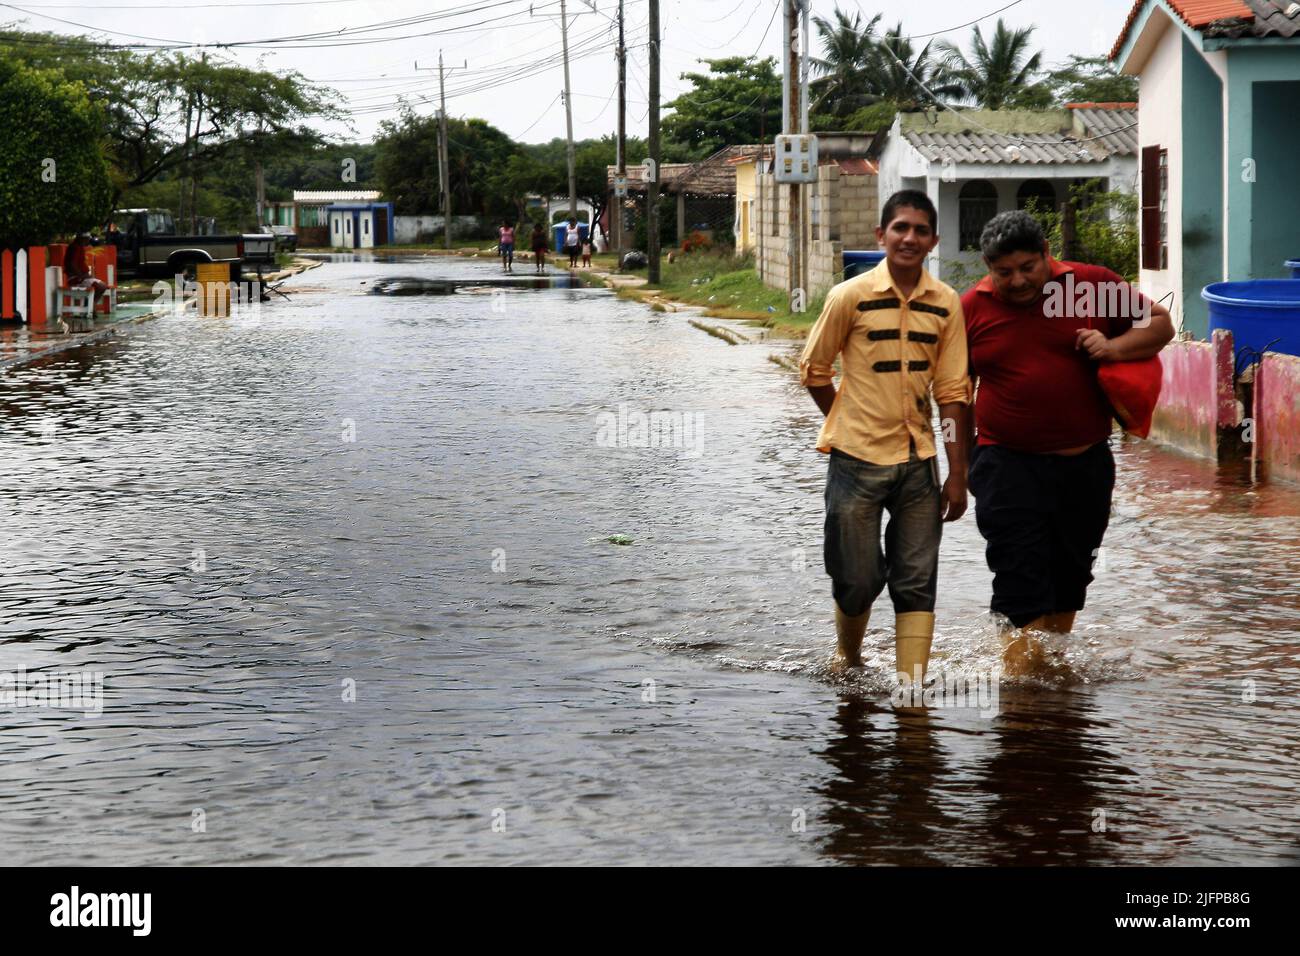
562 228
1257 312
1294 266
857 262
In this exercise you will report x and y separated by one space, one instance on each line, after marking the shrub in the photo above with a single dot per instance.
1105 228
53 176
696 241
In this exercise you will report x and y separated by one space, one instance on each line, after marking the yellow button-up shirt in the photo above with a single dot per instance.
893 349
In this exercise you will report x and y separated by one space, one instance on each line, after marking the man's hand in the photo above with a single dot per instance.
1097 346
953 499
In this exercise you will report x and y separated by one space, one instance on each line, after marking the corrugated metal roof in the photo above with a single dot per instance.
1117 129
335 195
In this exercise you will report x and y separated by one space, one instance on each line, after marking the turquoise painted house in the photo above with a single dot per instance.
1219 143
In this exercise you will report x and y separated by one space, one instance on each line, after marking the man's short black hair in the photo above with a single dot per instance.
1009 232
913 198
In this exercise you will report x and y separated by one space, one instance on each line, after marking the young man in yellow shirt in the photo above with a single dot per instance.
899 334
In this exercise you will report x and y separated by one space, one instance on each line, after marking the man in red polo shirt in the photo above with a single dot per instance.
1041 472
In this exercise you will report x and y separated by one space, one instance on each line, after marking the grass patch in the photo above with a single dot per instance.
729 287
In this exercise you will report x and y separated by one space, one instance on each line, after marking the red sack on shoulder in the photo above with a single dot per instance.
1133 388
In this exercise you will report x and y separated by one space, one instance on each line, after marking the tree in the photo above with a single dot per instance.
1092 79
910 79
168 113
53 174
406 164
521 176
845 82
997 75
737 101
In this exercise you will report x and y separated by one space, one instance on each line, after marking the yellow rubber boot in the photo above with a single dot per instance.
914 630
849 632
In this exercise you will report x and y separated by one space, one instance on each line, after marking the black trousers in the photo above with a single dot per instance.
1043 518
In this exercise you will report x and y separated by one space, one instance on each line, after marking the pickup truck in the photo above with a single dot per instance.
148 245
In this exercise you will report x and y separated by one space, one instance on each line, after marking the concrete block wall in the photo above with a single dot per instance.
846 208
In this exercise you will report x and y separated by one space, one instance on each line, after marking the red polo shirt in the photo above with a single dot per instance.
1037 392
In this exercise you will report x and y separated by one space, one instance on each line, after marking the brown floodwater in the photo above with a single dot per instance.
401 578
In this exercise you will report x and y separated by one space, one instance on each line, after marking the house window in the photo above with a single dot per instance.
1155 208
365 226
1164 209
1039 193
977 203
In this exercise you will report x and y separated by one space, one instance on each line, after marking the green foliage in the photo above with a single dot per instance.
406 165
864 79
47 118
319 166
996 75
737 101
1105 228
167 116
1092 79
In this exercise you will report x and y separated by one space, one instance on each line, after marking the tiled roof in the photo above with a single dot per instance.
1232 18
1116 123
1082 135
714 175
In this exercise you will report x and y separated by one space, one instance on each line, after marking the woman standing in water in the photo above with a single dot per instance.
573 242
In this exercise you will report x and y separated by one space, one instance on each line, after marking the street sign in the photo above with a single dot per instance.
620 185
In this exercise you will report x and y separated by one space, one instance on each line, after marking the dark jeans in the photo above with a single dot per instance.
856 494
1043 518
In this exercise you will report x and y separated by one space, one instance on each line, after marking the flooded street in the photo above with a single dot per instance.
382 579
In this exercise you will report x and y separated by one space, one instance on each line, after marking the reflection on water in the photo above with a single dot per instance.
350 573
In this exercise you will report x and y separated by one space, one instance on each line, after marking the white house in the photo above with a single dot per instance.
975 164
1219 142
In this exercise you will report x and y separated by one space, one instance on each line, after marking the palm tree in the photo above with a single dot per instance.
844 82
902 77
995 75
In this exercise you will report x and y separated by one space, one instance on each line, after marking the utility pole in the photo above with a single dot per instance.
652 187
790 121
443 159
616 220
568 114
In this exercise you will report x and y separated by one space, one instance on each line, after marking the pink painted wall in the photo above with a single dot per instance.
1192 398
1277 415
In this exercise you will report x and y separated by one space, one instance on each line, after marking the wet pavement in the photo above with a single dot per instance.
406 579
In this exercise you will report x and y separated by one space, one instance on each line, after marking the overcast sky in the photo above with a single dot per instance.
499 37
